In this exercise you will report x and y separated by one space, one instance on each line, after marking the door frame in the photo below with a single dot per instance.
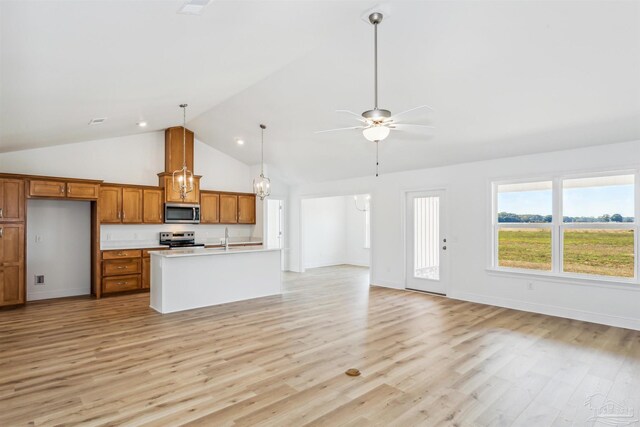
265 227
444 212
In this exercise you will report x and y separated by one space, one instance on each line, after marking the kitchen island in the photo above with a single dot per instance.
191 278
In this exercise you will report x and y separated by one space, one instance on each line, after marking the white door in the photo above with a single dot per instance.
275 224
426 242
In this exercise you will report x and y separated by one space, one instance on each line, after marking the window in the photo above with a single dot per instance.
523 225
568 226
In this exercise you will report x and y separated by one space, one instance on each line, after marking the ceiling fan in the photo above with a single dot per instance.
378 123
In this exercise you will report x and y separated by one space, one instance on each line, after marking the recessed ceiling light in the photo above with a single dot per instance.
142 124
97 121
239 141
193 7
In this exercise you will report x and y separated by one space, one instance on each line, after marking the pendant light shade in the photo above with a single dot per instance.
262 184
182 179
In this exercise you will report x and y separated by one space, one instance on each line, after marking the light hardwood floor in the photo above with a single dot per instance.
425 360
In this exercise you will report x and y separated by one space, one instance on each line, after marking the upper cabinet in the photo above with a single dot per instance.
131 205
11 200
209 208
152 206
237 208
247 209
228 209
63 189
127 205
171 196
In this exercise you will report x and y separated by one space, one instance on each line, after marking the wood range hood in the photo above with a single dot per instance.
173 138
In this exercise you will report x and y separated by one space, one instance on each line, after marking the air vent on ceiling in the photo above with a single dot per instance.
193 7
97 121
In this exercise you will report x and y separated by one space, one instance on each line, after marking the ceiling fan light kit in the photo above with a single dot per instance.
377 123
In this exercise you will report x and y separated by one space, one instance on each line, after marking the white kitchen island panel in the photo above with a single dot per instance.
194 278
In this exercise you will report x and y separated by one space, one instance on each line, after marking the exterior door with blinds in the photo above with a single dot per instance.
426 242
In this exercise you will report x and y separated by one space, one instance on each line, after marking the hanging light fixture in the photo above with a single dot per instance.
182 179
262 184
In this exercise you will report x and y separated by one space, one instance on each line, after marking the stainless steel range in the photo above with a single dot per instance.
179 239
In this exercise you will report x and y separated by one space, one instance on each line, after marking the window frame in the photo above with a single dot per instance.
558 227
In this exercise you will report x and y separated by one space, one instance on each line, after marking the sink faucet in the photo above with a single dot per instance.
226 238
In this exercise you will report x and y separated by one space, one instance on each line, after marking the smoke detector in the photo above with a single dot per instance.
193 7
97 121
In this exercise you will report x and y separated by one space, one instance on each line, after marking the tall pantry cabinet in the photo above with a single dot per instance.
12 242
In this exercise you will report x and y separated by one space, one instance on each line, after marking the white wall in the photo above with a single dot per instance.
333 232
468 190
62 250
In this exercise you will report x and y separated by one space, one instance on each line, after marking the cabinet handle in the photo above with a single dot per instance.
1 213
1 232
120 254
124 215
62 189
68 190
118 215
122 267
121 283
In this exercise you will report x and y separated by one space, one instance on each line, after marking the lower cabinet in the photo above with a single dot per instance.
126 270
12 261
120 283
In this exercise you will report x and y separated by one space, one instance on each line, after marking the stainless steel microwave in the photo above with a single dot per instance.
181 213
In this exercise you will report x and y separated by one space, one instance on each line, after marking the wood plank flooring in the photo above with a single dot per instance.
425 360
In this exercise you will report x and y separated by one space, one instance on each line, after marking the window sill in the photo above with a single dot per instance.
601 282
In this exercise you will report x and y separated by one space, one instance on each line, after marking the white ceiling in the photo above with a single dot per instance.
504 77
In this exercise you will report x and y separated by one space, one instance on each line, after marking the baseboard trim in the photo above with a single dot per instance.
61 293
551 310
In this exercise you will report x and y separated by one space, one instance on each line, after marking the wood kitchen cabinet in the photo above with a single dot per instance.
11 200
246 209
173 141
110 205
171 196
209 208
228 209
60 189
12 263
152 206
131 205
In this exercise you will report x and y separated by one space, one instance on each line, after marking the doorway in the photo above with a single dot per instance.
426 241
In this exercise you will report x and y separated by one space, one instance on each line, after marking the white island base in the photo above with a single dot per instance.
192 278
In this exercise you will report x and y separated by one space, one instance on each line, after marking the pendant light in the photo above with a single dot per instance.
262 184
182 179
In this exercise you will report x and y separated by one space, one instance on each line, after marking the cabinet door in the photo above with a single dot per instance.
11 200
82 190
131 205
228 209
152 206
146 273
39 188
209 208
12 283
247 209
110 205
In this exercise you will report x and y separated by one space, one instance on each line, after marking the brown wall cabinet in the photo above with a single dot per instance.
152 206
63 189
173 158
209 208
171 196
228 209
246 209
127 205
11 200
12 263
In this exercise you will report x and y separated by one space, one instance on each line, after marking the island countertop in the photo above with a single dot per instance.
176 253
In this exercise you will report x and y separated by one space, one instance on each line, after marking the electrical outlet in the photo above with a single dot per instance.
39 279
108 236
530 286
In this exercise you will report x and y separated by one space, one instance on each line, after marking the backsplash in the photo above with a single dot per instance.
149 233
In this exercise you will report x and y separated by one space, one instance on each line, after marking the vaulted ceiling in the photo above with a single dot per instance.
504 77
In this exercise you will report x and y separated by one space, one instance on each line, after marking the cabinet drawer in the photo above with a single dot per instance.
120 283
125 253
115 267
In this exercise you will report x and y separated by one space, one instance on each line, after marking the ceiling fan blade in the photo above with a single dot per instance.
334 130
362 119
403 126
395 116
